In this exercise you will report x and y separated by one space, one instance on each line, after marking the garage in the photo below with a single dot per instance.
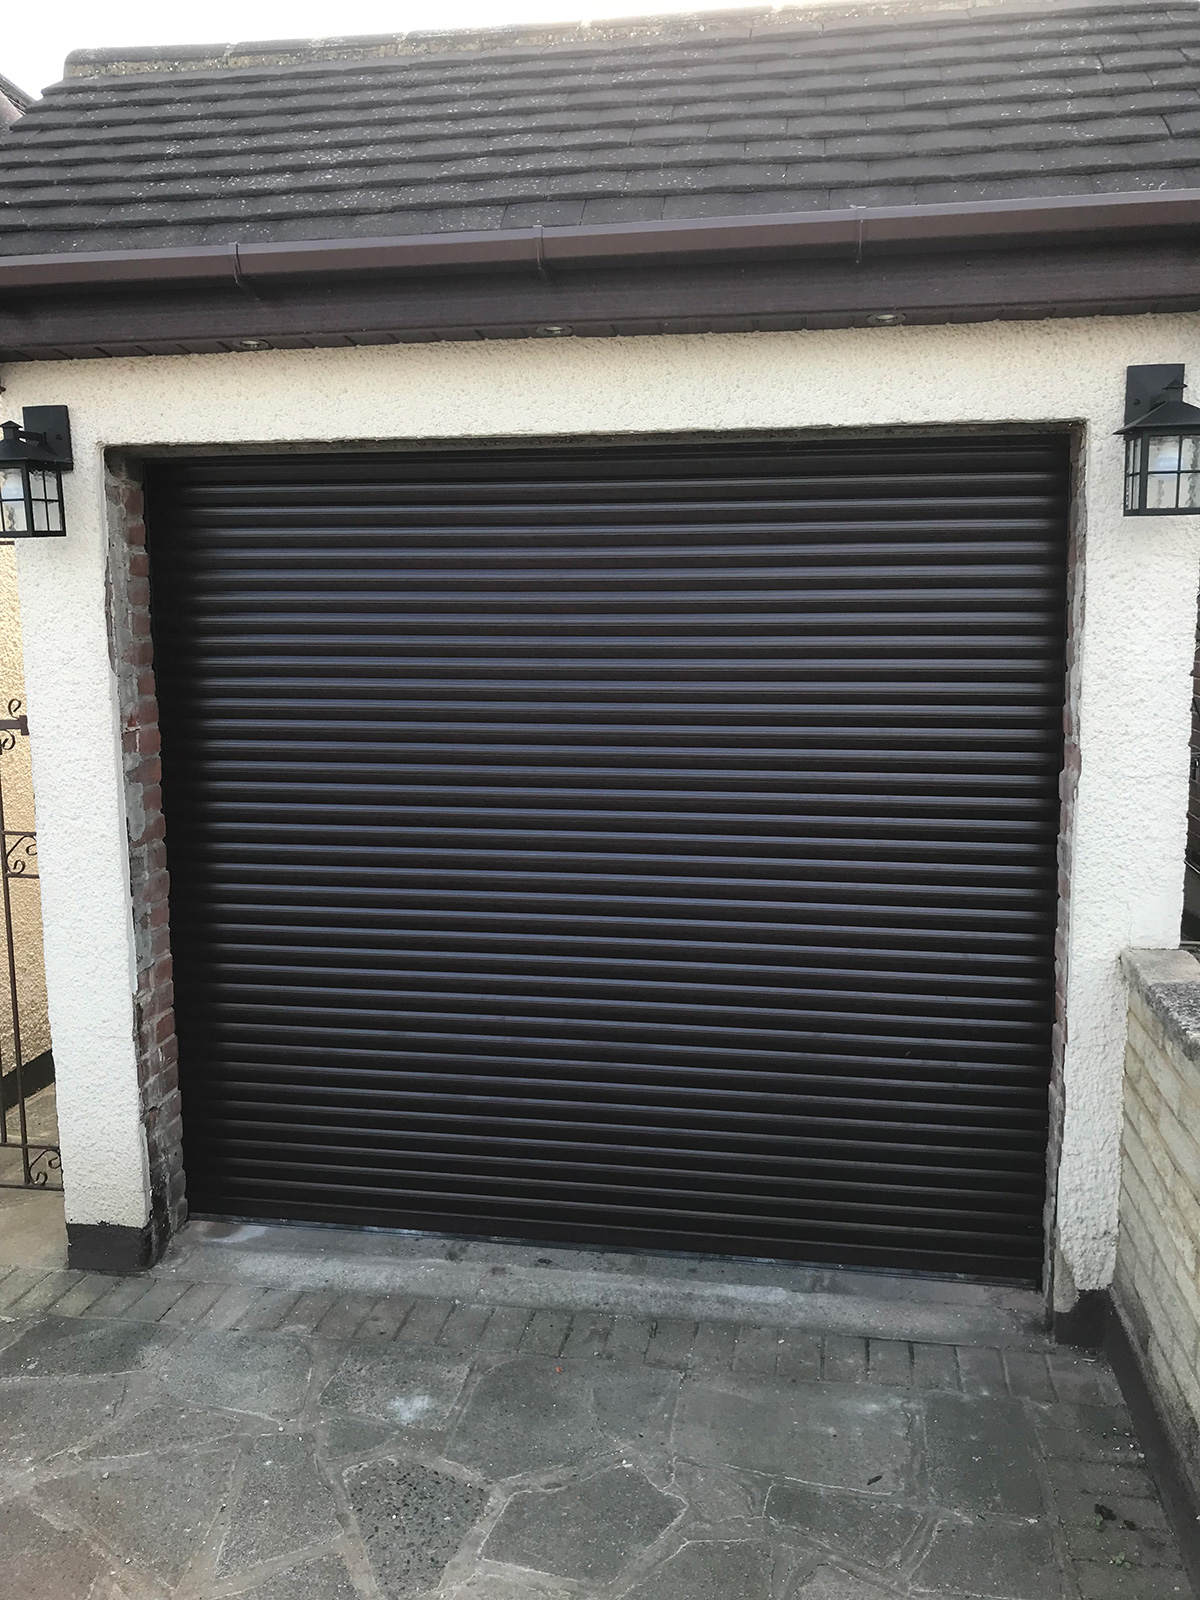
641 844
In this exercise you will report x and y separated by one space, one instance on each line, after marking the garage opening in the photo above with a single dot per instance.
646 845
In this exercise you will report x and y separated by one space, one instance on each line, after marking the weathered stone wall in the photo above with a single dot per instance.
1157 1285
17 781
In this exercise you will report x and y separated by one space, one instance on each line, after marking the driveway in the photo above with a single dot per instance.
165 1437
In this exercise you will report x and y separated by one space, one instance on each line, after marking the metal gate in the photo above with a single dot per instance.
648 845
29 1155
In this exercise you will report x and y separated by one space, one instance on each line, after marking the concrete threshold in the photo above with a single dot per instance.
771 1294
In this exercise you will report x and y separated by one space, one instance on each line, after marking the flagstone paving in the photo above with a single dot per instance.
195 1441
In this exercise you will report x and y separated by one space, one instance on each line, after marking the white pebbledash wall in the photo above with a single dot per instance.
1139 585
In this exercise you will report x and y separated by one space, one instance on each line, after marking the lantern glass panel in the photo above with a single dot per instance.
13 513
44 495
1189 473
1133 472
1165 455
1162 491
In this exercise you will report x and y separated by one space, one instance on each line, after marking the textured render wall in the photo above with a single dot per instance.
1157 1285
16 775
83 856
1138 603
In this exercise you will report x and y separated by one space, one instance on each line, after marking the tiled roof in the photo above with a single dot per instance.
17 98
729 114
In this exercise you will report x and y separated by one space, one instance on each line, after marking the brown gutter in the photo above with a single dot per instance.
848 234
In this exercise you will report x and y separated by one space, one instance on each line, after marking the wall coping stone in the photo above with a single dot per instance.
1169 982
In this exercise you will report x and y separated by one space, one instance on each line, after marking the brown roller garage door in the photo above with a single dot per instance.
649 845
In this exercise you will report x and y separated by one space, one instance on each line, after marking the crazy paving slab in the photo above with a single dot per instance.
432 1451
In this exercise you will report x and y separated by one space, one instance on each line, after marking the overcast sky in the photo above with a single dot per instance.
35 39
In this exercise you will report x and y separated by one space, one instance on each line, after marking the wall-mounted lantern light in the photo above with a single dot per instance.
34 454
1162 444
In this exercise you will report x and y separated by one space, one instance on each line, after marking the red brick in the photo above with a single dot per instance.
155 886
147 773
156 823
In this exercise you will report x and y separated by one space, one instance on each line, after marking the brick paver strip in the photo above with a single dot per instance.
386 1317
124 1293
154 1306
91 1287
505 1328
628 1338
845 1359
425 1321
344 1317
273 1309
588 1335
671 1342
44 1294
546 1333
982 1372
308 1310
799 1356
1080 1381
464 1327
1028 1375
18 1283
756 1351
193 1304
935 1366
230 1311
713 1347
889 1361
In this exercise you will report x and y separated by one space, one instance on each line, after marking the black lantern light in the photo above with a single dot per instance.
34 454
1162 444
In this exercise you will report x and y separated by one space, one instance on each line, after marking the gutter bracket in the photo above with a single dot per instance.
540 246
238 279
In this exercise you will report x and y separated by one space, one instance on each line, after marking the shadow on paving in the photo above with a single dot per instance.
452 1451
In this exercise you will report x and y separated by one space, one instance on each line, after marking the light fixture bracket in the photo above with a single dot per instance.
1146 388
54 426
